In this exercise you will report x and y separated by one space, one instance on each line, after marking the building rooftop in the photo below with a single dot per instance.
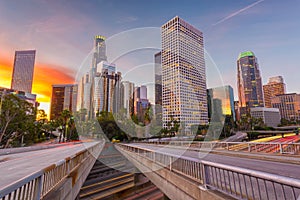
264 109
63 85
245 54
100 37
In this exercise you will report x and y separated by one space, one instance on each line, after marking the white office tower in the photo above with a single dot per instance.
183 75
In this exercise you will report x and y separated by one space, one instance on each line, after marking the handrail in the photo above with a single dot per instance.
195 142
238 146
270 177
39 183
234 181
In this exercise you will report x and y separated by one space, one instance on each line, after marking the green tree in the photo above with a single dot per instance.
110 127
135 119
41 115
17 117
228 126
69 127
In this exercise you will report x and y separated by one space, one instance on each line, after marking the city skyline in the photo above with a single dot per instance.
60 52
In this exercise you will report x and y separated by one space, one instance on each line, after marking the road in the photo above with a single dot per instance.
17 166
283 169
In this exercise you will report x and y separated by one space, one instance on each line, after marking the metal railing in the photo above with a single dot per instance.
266 147
37 185
239 183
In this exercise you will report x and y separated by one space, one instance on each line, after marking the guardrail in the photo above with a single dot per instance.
268 147
239 183
40 183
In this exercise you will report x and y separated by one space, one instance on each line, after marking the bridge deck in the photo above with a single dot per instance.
17 166
283 169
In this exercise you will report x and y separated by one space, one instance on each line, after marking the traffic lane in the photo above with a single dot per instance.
283 169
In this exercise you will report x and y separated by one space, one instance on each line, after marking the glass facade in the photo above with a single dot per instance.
249 82
274 87
226 98
288 105
64 97
158 81
127 97
184 95
100 50
106 89
23 71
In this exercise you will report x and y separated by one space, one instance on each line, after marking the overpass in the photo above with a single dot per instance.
46 172
188 174
180 170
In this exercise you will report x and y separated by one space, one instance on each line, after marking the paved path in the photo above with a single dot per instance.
14 167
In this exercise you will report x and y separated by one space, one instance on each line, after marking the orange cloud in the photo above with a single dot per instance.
45 76
5 73
5 76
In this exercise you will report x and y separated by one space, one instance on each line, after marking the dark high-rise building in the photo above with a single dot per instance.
249 82
22 76
237 110
141 102
158 83
274 87
64 97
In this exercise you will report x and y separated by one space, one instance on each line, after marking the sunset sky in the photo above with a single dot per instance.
62 33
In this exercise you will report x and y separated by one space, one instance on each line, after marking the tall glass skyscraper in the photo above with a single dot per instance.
23 70
183 75
86 94
249 82
100 50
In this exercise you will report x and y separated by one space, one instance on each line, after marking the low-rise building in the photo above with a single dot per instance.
270 116
31 98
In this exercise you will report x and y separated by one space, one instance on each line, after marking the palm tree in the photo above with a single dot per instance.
64 119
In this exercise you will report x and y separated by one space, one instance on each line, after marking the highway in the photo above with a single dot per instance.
14 167
283 169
